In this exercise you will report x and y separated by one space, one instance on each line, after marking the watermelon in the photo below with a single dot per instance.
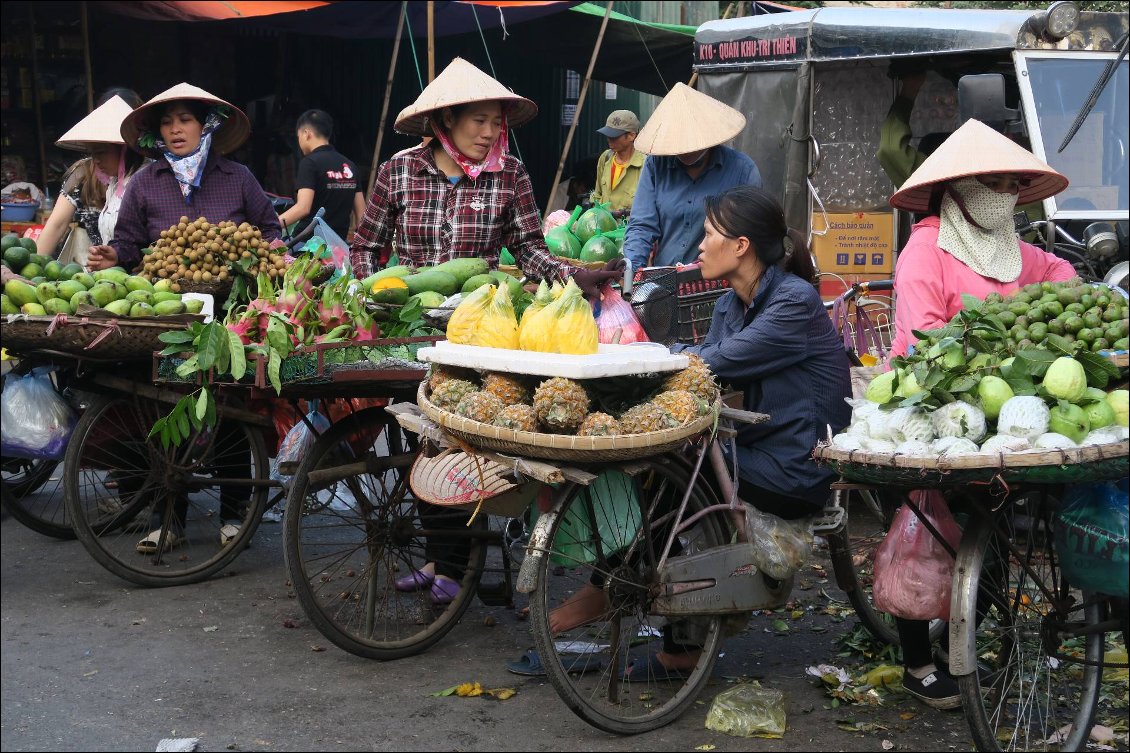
600 248
596 220
563 243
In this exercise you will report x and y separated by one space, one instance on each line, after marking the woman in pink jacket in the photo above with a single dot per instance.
970 188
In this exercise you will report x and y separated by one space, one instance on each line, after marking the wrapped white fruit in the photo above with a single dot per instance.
858 428
879 426
1106 435
1005 443
955 446
1024 416
959 419
907 424
1053 441
848 442
913 447
871 444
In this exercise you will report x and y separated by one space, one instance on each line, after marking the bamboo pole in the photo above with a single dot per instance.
694 76
388 97
86 58
37 100
580 105
431 41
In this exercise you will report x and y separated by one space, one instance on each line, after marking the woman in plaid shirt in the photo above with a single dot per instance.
462 194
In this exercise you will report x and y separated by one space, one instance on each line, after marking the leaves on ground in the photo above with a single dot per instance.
475 690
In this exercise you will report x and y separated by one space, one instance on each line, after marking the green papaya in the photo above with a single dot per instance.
464 269
20 292
435 280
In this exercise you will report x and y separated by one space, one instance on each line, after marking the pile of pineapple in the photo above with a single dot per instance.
563 406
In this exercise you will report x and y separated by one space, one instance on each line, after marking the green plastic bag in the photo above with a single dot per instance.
616 507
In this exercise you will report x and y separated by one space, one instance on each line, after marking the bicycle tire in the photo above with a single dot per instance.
30 494
349 536
600 697
113 435
1033 695
867 518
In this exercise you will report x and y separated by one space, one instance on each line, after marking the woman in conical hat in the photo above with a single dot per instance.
461 194
968 244
970 188
93 186
187 131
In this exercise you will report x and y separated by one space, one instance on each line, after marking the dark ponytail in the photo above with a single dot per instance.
749 212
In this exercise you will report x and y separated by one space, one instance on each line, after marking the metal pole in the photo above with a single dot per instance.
86 58
431 41
580 104
37 100
388 96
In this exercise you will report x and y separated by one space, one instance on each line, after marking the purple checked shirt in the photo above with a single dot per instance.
153 202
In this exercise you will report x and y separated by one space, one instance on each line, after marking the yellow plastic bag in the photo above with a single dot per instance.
748 710
498 327
465 320
541 299
575 326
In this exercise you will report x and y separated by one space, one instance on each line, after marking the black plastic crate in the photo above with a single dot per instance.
675 304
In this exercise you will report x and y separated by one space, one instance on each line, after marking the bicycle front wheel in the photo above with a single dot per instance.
607 539
32 492
1034 697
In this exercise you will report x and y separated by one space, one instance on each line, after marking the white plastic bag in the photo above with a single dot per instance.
780 546
35 422
296 444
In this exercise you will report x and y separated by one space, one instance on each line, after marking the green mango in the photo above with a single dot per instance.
192 305
45 291
164 285
136 282
105 292
83 298
161 296
85 279
113 274
167 308
20 292
143 309
67 289
119 308
57 306
70 270
6 305
53 270
139 296
33 309
428 299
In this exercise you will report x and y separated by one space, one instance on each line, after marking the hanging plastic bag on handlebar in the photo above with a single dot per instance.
913 571
617 322
326 244
35 422
780 547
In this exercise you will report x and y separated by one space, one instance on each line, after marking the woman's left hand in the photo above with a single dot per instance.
101 257
591 280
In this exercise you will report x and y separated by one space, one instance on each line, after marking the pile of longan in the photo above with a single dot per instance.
197 251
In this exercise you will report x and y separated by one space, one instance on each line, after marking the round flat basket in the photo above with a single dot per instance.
82 336
562 446
1090 463
218 289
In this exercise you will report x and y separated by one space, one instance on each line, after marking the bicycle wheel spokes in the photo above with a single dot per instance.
353 530
596 631
1035 696
32 491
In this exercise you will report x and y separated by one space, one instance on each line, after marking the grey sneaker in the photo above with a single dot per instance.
936 689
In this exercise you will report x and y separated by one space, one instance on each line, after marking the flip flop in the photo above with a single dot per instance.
149 544
650 670
530 664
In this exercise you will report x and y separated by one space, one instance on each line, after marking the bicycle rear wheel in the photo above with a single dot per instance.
352 529
1038 698
32 492
609 536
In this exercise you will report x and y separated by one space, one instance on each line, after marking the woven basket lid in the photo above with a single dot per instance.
688 121
99 128
455 477
227 138
977 149
458 84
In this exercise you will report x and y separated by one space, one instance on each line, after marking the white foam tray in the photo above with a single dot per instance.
608 361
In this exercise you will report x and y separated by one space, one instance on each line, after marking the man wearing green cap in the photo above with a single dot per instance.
618 169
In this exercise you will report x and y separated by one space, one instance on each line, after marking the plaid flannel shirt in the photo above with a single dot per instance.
433 221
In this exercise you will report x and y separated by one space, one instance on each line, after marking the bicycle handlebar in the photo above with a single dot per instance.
307 231
861 288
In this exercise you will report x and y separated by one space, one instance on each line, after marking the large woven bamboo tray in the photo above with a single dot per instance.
562 446
1090 463
97 337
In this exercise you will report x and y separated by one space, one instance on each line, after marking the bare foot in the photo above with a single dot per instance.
587 605
679 662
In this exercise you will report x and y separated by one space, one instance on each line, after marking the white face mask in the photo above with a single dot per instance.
989 209
991 250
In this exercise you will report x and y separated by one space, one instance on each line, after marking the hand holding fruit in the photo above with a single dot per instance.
101 257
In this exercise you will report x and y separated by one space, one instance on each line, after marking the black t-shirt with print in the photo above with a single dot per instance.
334 180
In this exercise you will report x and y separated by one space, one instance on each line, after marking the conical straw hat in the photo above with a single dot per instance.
227 138
688 121
101 127
976 149
458 84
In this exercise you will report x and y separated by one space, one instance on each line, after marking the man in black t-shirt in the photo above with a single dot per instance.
326 178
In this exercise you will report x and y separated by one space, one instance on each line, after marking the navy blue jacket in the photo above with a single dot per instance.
786 356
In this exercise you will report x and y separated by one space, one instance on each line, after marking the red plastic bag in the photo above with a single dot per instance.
617 322
913 571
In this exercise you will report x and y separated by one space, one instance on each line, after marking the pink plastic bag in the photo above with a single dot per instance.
555 219
617 321
913 571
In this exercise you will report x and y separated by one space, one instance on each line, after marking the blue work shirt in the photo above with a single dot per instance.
785 355
669 205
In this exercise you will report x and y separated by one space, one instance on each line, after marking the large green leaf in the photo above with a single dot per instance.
237 356
1099 369
212 339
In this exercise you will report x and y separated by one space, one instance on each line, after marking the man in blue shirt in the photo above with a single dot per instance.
686 163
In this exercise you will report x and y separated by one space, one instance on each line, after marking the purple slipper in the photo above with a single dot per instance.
414 581
444 590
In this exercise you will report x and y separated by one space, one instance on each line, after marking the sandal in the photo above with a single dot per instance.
530 664
650 670
150 543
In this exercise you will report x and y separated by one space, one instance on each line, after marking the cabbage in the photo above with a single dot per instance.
1024 416
913 447
959 419
955 446
871 444
848 442
1105 435
910 423
1005 443
1053 441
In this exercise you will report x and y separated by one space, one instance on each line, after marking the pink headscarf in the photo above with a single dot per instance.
492 163
104 179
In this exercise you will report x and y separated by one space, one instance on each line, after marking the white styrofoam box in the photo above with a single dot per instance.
608 361
209 304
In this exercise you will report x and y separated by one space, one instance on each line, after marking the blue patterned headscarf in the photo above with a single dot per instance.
188 168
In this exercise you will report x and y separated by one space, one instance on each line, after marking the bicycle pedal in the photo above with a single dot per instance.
831 519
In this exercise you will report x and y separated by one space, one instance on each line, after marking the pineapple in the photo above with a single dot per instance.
479 406
561 404
448 394
598 425
646 417
440 374
695 379
684 406
510 390
517 418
